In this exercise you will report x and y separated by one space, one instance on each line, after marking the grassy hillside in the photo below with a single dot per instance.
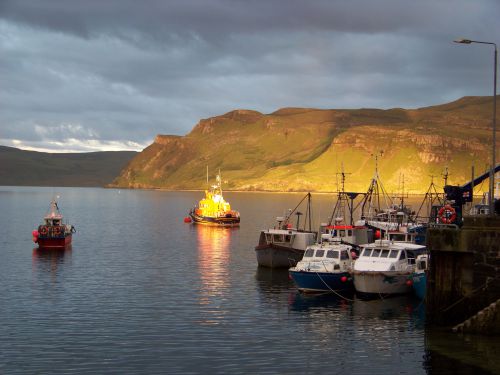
300 149
29 168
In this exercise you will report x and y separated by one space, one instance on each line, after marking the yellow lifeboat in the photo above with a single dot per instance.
214 210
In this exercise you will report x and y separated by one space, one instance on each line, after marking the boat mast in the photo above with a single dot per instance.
431 195
308 210
342 199
219 183
374 191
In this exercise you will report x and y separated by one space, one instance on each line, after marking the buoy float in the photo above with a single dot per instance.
343 279
409 282
187 219
35 236
377 234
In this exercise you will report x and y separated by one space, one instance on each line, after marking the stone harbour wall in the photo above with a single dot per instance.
464 273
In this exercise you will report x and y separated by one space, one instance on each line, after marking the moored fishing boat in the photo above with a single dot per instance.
214 210
283 246
384 268
325 267
354 235
53 233
419 277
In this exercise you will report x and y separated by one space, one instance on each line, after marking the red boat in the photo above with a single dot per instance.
53 234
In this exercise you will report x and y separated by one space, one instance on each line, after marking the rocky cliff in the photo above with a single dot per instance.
299 149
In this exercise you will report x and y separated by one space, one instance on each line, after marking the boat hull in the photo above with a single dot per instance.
229 221
311 282
276 256
376 283
419 284
54 242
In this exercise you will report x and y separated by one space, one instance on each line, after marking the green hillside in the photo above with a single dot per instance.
299 149
30 168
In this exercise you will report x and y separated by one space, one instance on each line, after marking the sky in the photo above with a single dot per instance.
99 75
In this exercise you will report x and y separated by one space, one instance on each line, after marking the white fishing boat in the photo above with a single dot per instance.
384 267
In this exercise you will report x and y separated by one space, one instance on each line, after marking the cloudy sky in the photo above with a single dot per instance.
111 74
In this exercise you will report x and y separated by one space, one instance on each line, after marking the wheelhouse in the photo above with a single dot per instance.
326 254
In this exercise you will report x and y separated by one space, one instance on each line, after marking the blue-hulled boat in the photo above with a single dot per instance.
325 267
419 277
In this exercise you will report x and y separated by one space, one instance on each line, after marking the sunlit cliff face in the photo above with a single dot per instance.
304 149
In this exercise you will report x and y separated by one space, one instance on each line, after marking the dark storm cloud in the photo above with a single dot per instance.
92 74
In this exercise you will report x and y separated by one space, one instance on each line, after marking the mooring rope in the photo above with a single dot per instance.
485 285
328 286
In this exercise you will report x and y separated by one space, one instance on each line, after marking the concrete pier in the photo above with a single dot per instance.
464 273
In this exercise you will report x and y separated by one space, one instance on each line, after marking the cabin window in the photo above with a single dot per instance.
422 265
376 252
349 233
342 233
287 238
367 252
334 233
320 253
385 254
309 253
403 255
343 255
332 254
393 254
398 237
268 237
277 238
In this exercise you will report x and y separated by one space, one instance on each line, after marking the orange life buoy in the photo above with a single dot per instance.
447 214
57 230
43 230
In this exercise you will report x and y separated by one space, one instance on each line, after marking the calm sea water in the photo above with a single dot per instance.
142 292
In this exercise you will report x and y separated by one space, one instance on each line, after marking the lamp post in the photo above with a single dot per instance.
493 152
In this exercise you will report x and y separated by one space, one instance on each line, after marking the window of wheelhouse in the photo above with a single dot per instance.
398 237
309 253
393 254
366 252
332 254
344 255
422 264
403 255
384 254
320 253
376 252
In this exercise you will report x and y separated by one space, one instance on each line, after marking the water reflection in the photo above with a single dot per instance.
275 287
272 279
313 302
405 306
213 265
50 260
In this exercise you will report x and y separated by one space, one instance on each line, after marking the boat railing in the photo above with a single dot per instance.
443 226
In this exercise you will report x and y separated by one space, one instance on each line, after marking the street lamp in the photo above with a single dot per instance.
493 153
